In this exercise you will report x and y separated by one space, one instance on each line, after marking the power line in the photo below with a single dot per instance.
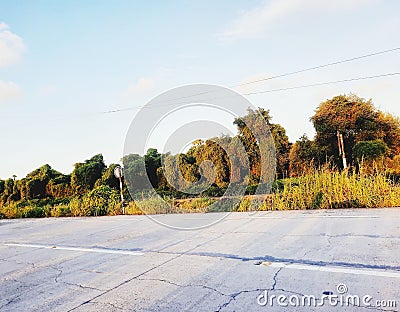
267 91
278 76
324 83
318 67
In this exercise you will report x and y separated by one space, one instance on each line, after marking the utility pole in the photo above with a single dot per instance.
341 149
118 173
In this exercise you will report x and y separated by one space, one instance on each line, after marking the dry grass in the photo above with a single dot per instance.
326 189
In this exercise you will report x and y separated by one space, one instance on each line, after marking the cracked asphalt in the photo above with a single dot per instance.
131 263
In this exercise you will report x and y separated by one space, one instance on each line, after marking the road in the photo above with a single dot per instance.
245 262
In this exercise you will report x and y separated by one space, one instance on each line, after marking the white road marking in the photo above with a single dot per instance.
332 269
311 216
98 250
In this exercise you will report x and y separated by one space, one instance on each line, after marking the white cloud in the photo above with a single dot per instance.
258 20
11 46
141 86
8 90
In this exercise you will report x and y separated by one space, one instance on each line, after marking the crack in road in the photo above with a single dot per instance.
234 295
82 286
60 272
109 304
183 286
141 274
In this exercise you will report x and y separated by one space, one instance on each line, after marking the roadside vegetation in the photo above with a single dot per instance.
309 173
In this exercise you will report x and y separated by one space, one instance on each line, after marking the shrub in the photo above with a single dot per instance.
61 210
196 205
369 150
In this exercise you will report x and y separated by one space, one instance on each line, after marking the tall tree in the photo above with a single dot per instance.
135 175
86 174
153 162
282 147
281 141
305 155
357 120
212 160
108 178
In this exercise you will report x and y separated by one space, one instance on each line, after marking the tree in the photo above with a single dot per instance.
239 164
153 162
2 186
304 155
60 186
389 132
211 160
135 175
86 174
281 141
11 191
282 147
108 178
250 144
357 119
189 168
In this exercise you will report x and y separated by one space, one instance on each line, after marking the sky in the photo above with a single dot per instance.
63 63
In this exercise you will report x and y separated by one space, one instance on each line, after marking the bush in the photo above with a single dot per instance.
369 150
152 205
196 205
61 210
133 209
98 202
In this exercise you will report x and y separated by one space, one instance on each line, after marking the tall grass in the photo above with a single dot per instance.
157 205
327 188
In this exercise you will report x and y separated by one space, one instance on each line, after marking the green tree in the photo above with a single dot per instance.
354 117
304 155
59 187
389 132
281 141
86 174
11 191
135 175
2 186
153 162
108 178
282 147
212 161
34 185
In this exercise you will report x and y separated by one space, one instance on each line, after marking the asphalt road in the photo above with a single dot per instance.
269 261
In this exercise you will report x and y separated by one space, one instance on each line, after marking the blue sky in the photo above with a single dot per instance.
64 62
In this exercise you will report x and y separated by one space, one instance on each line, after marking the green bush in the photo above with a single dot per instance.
369 150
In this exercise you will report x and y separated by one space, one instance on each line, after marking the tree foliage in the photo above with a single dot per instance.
357 120
304 156
87 173
369 150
